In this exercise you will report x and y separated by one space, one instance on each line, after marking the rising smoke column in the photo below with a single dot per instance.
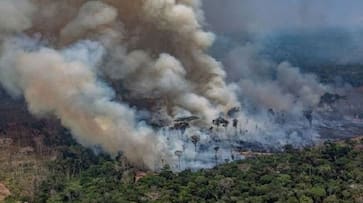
141 36
56 83
54 54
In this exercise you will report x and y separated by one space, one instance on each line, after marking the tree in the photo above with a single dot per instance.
317 193
179 153
216 149
195 140
331 199
292 200
305 199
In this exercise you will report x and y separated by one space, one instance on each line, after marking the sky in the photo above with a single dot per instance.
263 16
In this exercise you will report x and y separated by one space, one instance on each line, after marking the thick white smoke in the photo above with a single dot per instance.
155 50
65 84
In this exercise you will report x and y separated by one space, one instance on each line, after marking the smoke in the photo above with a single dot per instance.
269 85
111 69
63 58
15 16
306 33
91 15
64 84
275 94
153 48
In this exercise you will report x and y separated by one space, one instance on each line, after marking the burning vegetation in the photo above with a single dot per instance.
135 78
120 89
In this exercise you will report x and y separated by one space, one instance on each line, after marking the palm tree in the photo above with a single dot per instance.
195 140
178 153
216 149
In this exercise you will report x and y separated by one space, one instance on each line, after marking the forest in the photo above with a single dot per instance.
329 173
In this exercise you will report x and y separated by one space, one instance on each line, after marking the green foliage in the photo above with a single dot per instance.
327 174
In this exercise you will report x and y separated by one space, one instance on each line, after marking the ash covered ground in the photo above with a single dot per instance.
231 138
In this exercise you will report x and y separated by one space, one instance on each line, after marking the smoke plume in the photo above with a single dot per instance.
111 69
62 57
61 84
15 15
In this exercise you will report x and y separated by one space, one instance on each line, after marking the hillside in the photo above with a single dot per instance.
26 145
